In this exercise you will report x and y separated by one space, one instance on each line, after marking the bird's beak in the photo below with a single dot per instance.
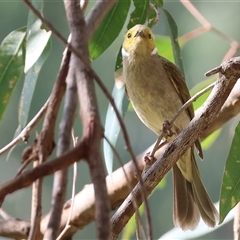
139 33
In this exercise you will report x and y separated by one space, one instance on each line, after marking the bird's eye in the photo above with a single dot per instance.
150 36
129 35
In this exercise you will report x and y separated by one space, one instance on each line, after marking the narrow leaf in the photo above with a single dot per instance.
112 127
139 15
109 29
11 65
230 191
37 40
37 50
174 39
29 87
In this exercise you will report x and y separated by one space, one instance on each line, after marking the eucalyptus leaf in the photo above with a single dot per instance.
29 87
11 65
109 29
230 190
37 39
173 29
37 50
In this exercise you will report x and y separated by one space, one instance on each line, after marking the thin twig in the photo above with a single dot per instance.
5 215
60 177
73 192
36 209
130 187
183 108
23 135
206 24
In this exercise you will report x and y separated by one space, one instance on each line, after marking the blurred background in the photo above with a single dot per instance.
200 54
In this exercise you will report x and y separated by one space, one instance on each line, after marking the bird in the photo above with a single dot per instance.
157 90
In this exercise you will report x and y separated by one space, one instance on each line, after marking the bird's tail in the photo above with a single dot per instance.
191 200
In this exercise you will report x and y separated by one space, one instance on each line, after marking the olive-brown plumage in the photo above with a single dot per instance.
157 89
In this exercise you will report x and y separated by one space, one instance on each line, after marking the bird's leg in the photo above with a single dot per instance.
149 160
167 132
167 128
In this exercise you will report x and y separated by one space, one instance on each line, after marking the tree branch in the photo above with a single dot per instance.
92 129
15 229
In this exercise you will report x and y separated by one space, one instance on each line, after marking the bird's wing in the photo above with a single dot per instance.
177 80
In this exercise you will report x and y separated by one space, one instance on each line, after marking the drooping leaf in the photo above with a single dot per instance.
37 50
174 39
37 39
112 127
109 29
230 190
29 87
11 65
139 14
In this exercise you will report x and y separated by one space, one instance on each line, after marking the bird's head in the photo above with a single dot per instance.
139 40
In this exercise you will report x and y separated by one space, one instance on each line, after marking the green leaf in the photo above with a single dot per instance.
139 14
157 3
11 65
112 127
174 39
109 29
37 50
31 16
37 40
230 192
29 87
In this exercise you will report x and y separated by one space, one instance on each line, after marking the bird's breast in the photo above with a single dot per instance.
152 94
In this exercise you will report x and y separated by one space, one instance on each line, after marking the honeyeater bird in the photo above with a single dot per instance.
157 90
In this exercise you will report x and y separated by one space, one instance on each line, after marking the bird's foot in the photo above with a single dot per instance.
167 128
149 160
